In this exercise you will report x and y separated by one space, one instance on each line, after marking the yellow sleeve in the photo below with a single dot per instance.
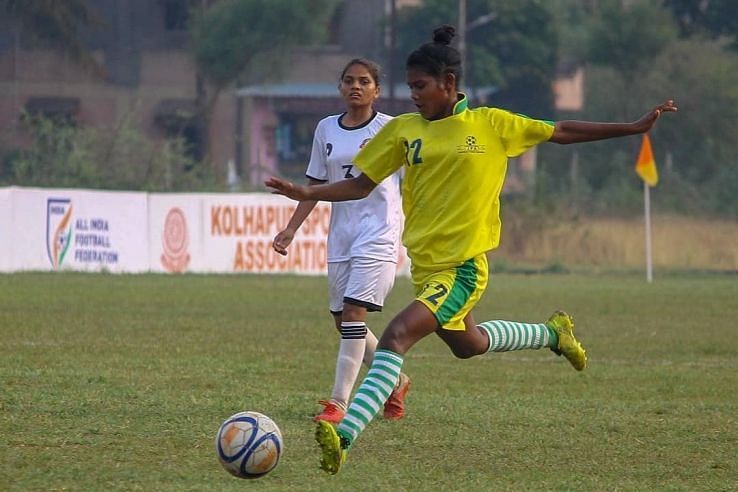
383 154
519 133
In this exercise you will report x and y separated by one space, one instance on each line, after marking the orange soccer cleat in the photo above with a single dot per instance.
331 412
394 407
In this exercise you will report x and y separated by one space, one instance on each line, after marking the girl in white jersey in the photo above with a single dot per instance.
363 239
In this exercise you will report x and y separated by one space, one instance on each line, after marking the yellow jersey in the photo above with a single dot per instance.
454 171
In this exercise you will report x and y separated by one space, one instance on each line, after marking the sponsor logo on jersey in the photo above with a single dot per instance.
471 146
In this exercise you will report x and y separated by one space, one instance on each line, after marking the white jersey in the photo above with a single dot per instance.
366 228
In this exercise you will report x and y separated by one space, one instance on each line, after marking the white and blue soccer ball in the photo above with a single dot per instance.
249 445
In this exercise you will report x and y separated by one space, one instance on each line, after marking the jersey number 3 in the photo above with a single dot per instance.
347 168
412 152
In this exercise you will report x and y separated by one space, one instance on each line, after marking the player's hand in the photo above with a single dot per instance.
287 188
646 121
282 240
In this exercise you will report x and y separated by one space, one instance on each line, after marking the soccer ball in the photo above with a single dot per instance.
248 445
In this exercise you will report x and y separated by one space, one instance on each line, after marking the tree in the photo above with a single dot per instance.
238 37
628 36
715 18
54 24
65 155
515 52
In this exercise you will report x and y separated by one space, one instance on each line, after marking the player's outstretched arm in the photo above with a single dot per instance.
340 191
570 131
284 237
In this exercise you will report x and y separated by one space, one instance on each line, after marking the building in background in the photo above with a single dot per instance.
149 77
146 76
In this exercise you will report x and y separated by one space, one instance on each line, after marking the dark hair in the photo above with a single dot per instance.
371 67
438 58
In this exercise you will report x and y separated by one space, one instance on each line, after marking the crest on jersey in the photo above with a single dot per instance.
471 146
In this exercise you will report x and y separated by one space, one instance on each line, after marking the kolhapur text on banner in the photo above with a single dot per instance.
250 228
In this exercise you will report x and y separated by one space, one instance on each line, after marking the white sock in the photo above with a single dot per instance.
371 348
350 354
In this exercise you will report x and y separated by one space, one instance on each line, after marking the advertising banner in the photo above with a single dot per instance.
238 232
57 229
6 234
63 229
175 233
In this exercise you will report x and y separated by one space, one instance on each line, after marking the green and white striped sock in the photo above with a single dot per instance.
371 395
505 336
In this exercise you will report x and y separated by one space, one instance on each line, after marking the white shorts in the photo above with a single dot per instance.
362 282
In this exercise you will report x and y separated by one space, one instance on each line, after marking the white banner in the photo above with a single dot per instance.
239 230
58 229
64 229
231 233
175 233
6 234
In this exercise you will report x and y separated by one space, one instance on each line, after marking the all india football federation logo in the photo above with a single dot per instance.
58 229
175 239
471 146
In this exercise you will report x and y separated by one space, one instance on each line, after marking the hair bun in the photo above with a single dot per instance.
444 34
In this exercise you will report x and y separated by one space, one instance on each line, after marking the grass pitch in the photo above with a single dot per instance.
120 383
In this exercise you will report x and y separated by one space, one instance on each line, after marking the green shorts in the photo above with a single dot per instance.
452 293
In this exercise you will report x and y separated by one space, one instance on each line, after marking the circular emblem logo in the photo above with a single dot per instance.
175 239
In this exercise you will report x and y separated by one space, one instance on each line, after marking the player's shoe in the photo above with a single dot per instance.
394 407
333 454
331 412
568 346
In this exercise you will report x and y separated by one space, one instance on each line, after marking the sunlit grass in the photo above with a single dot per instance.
679 243
120 383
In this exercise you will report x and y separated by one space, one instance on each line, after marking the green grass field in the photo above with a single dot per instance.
120 383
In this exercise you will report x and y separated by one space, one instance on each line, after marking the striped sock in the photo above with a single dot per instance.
505 336
371 395
348 363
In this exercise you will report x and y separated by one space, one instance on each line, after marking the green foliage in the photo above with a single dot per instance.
627 36
714 18
695 149
228 36
54 24
513 50
119 382
62 155
573 24
636 62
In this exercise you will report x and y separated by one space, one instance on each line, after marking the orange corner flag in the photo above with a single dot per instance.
646 165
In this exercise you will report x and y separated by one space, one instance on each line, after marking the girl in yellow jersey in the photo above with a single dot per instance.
455 159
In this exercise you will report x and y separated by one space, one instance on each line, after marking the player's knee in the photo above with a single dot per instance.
394 338
352 312
463 352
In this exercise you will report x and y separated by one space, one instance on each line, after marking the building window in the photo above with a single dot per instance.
178 118
176 15
59 109
293 142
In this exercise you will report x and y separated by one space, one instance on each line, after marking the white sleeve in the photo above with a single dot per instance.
318 167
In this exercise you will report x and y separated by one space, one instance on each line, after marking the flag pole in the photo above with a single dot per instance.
647 213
